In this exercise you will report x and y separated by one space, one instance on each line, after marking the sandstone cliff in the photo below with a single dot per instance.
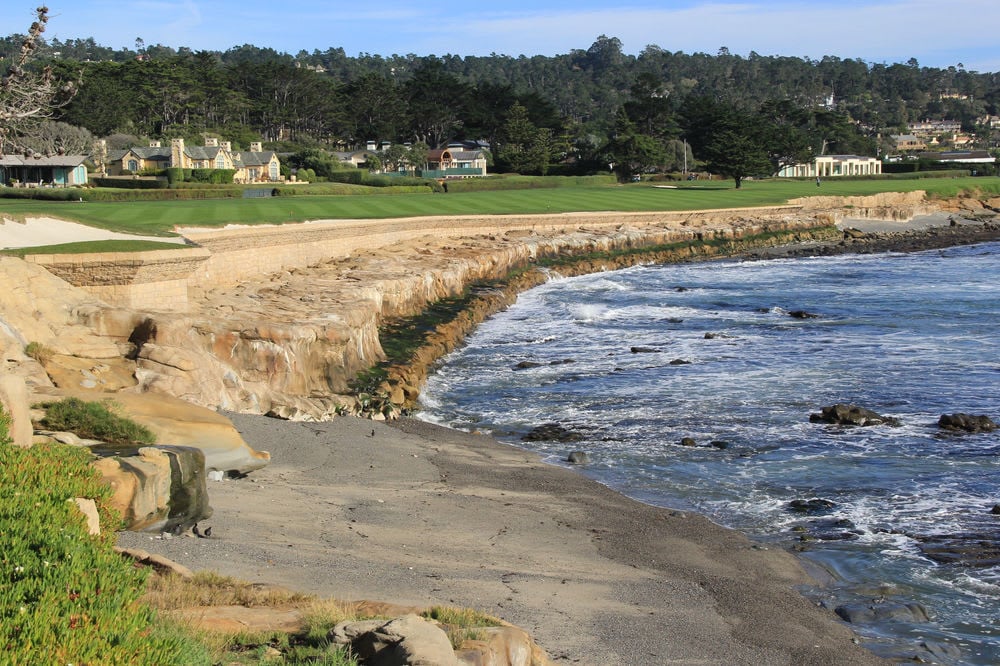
279 320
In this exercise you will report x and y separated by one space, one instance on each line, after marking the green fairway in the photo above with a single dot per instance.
160 217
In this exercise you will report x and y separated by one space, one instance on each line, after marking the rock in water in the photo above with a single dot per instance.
966 423
843 414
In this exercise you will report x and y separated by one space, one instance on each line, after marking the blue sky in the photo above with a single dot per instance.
938 33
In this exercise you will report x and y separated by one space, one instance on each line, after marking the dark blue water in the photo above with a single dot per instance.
911 336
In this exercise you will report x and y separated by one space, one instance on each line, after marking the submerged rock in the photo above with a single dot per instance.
578 458
551 432
882 611
813 507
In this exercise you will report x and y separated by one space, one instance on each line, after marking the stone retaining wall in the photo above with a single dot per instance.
162 280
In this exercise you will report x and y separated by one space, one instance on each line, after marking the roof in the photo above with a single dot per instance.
248 159
46 161
142 152
436 155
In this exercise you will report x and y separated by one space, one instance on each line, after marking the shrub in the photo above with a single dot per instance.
38 351
65 596
95 420
174 175
215 176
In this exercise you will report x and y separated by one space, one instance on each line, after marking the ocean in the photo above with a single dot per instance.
897 522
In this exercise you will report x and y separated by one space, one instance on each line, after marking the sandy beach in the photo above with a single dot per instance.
415 514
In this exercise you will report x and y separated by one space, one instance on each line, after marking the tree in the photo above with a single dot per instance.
632 152
523 147
27 97
54 137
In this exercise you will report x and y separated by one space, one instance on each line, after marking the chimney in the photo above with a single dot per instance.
227 146
154 144
211 142
370 145
177 153
256 147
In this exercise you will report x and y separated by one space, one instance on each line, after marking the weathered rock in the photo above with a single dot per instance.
14 400
643 350
527 365
502 646
551 432
967 423
679 361
578 458
176 422
802 314
883 611
159 488
88 508
405 641
688 441
844 414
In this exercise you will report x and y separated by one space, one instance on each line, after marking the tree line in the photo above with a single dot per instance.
594 108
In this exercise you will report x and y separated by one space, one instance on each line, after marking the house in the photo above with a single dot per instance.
36 170
455 163
252 166
907 142
832 166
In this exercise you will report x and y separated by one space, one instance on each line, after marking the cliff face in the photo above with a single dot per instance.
288 342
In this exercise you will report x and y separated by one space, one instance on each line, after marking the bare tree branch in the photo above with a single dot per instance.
28 97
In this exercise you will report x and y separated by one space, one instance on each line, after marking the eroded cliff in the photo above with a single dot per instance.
289 342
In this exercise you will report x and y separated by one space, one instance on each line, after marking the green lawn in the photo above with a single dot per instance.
160 217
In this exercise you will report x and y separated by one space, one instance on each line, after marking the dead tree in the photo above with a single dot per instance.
29 96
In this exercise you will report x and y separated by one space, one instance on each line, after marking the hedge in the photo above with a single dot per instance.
130 183
215 176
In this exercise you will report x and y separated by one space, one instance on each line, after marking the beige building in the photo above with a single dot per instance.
832 166
252 166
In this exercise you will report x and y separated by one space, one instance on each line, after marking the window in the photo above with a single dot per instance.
133 165
274 172
220 161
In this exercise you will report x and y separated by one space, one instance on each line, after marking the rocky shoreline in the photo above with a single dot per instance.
412 513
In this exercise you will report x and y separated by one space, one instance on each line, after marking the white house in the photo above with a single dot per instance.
832 166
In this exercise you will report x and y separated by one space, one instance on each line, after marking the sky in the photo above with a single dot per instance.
937 33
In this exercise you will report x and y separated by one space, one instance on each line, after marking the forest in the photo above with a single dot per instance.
590 107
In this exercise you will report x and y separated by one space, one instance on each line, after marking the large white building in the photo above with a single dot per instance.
832 166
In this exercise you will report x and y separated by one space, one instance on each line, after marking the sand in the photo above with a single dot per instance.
416 514
36 232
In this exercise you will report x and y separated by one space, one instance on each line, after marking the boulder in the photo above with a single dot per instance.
882 611
502 646
176 422
966 423
161 488
578 458
405 641
843 414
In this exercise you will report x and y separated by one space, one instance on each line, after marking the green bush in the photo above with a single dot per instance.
175 175
214 176
95 420
65 596
44 193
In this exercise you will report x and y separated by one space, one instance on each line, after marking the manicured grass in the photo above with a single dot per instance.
160 217
93 246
